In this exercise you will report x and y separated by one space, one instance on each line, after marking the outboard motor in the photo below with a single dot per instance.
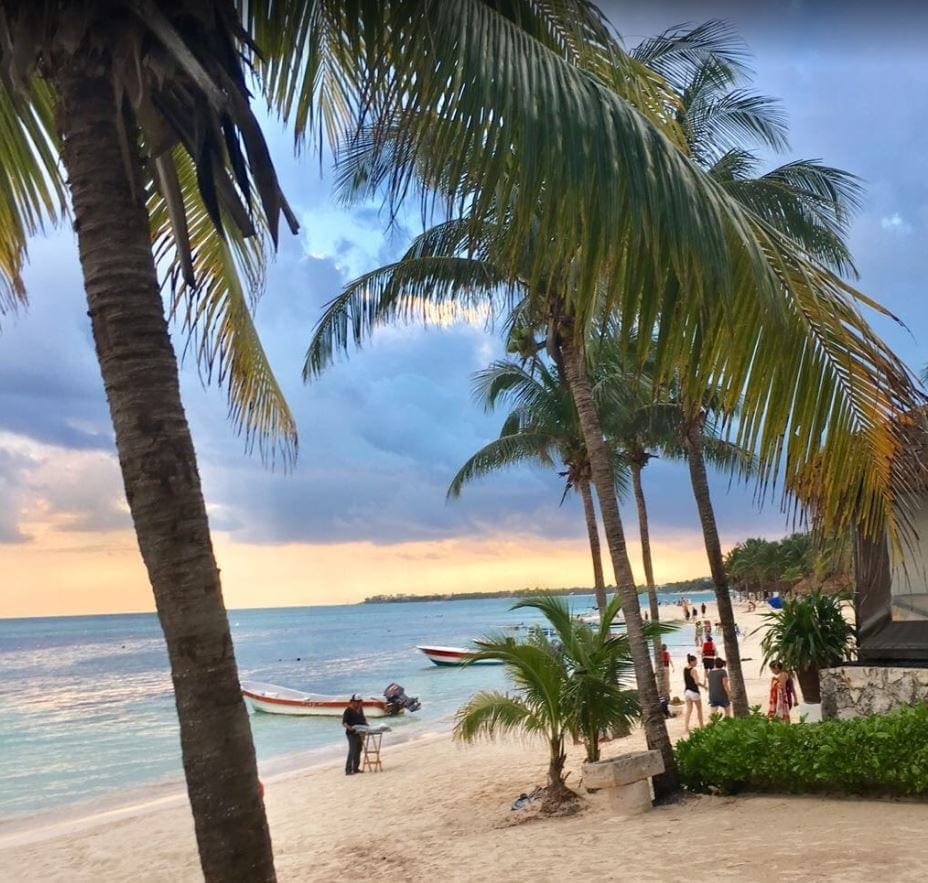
397 700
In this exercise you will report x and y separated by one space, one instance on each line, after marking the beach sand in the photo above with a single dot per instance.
442 810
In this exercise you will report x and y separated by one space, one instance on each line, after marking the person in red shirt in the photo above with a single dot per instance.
708 654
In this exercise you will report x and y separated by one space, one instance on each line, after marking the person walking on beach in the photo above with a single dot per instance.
698 633
708 653
353 717
703 608
719 689
782 697
666 668
691 694
686 613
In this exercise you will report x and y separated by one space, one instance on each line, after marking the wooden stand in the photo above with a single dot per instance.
371 760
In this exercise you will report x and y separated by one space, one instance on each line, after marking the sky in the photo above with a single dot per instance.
384 431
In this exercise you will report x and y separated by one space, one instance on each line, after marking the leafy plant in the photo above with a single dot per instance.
808 633
570 684
879 754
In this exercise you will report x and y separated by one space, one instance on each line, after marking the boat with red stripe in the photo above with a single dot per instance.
272 699
454 656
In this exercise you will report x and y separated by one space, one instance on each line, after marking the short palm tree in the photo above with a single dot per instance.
570 685
542 428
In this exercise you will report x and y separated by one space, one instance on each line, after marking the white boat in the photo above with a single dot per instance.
282 700
454 656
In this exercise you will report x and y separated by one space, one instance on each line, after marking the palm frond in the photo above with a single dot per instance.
677 53
556 610
536 671
520 388
719 123
808 201
422 289
214 311
31 186
508 450
489 714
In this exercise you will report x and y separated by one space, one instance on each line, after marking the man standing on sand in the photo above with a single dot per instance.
354 716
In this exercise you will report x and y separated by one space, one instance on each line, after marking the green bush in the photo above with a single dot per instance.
880 754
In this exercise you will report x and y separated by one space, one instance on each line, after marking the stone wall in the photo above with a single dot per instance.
855 690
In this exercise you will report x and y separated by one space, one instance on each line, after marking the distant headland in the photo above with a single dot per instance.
702 584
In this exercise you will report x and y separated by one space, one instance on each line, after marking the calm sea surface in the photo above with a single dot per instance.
86 708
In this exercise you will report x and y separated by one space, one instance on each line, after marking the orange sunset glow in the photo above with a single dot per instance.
60 573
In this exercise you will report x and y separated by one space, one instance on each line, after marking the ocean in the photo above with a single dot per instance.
87 711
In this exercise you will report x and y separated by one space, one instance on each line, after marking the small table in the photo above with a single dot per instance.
371 760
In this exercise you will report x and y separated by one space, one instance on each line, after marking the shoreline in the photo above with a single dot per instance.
443 808
72 818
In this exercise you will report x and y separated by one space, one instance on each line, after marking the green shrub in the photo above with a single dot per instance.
880 754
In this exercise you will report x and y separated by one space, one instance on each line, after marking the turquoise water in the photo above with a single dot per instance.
86 708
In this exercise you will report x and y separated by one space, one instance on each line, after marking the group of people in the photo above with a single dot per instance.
685 604
714 680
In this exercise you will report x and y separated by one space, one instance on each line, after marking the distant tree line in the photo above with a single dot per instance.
801 562
701 584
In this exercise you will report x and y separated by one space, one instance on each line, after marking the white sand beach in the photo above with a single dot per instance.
442 810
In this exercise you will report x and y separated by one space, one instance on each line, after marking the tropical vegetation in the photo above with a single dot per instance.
801 411
800 560
148 106
568 685
806 634
564 140
542 427
879 755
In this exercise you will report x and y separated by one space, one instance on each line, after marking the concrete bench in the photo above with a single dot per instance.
626 780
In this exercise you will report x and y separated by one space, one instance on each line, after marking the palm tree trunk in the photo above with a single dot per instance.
592 530
159 471
700 482
636 467
655 727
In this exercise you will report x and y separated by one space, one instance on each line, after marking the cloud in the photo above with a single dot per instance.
383 432
51 488
895 224
350 240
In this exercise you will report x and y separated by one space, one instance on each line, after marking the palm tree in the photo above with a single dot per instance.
807 201
542 428
147 103
798 324
571 685
637 425
140 108
694 435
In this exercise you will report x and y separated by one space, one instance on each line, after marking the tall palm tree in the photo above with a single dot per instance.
694 436
543 428
160 147
147 103
805 200
639 426
798 324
